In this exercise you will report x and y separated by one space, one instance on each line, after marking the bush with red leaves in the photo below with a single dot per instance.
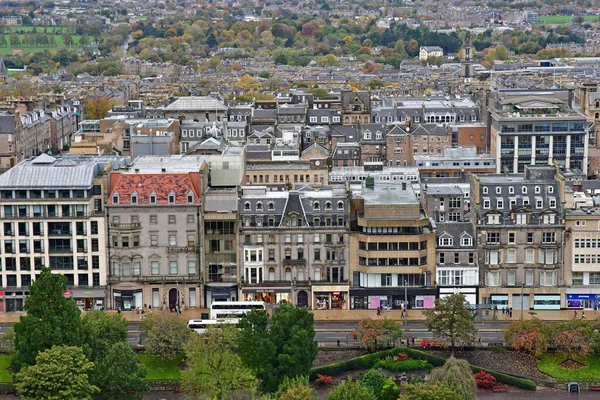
484 380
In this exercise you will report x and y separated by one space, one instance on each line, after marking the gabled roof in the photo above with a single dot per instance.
293 205
316 146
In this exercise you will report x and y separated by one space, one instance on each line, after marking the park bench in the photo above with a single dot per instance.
500 389
594 388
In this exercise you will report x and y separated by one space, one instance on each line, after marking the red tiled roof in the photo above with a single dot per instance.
161 184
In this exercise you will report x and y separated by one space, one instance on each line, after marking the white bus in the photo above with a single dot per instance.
200 326
233 309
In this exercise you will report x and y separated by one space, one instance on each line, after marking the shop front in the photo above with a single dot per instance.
89 299
470 293
395 298
269 295
583 300
127 300
12 301
330 297
220 291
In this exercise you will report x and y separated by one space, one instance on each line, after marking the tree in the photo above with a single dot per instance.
389 391
374 380
67 39
412 48
373 334
247 83
165 335
98 107
116 373
457 375
573 338
286 348
51 320
351 390
435 391
328 60
451 320
214 369
297 388
15 40
400 49
527 336
61 372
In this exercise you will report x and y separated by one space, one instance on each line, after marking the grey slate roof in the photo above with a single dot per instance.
193 103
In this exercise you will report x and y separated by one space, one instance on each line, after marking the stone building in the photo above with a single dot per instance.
294 246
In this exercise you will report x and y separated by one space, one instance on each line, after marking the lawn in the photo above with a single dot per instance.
564 19
4 365
161 369
39 29
550 364
59 43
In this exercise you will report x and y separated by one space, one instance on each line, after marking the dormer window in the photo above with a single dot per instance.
446 241
171 198
537 190
550 189
271 206
466 241
190 197
247 206
511 190
485 190
316 206
328 205
115 198
498 190
340 205
134 198
259 206
152 198
524 189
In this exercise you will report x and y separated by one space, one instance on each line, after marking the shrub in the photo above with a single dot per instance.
374 380
403 366
529 336
401 357
484 380
389 391
324 379
456 374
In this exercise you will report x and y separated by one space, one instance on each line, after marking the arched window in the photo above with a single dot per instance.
115 198
301 274
316 205
340 205
259 206
485 190
153 198
271 206
171 197
134 198
328 205
537 190
288 274
317 276
271 274
190 197
247 206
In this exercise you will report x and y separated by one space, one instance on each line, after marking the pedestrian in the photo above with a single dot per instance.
575 314
118 310
412 339
142 316
338 342
510 312
378 311
479 340
503 310
583 315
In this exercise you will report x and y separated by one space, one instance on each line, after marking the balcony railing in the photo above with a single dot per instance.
155 278
126 225
294 262
182 249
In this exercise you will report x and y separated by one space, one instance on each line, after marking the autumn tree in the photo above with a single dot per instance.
527 336
451 320
412 48
248 83
59 373
214 368
297 388
51 320
373 334
574 338
98 107
457 375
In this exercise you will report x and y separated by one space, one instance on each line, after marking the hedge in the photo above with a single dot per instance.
403 366
369 360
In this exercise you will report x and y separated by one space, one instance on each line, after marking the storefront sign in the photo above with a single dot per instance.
266 290
336 293
583 296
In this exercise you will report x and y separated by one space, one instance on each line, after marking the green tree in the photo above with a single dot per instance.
389 391
119 375
214 369
15 40
400 49
373 334
435 391
457 375
59 373
412 48
286 348
67 39
451 320
328 60
116 372
351 390
51 320
297 388
165 335
374 380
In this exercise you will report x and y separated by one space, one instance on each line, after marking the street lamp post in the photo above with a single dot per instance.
405 302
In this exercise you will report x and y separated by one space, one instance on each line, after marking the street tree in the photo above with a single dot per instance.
457 375
51 320
214 368
286 348
528 336
165 335
61 372
424 391
373 334
351 390
116 372
451 320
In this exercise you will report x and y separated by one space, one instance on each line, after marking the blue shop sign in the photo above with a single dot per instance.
583 297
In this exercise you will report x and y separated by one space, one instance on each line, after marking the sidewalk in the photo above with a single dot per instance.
357 315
